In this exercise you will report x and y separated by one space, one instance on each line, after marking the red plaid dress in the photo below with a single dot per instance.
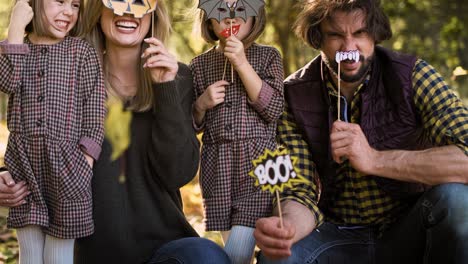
55 110
235 133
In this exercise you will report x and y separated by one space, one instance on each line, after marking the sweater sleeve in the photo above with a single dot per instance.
11 65
174 153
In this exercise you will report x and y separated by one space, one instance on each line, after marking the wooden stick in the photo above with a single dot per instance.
152 23
232 68
339 92
224 71
279 208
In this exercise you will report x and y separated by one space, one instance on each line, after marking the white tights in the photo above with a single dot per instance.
35 247
240 245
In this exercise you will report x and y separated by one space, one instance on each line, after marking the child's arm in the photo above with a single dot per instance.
92 84
234 51
13 50
266 94
21 15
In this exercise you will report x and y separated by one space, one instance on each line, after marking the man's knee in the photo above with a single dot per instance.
447 204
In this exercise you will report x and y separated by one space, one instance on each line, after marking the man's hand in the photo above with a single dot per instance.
274 242
349 142
11 194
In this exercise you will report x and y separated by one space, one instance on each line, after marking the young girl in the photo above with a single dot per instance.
238 117
55 117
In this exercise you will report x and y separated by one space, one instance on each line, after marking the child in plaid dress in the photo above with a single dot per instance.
55 118
238 117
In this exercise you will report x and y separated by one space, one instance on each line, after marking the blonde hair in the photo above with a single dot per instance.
143 100
37 24
205 28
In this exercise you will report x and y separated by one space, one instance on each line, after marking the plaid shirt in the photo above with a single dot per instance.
361 202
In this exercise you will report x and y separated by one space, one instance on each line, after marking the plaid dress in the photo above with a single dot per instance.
235 133
55 112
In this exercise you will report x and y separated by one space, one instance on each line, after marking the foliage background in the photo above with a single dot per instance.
435 30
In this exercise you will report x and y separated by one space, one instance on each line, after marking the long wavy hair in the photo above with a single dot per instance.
144 98
307 25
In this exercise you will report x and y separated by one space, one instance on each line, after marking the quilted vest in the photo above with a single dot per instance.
388 119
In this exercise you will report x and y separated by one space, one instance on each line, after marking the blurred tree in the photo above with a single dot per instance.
435 30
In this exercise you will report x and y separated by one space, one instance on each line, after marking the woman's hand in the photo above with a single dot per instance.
12 194
162 64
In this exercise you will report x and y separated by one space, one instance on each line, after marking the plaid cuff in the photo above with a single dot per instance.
264 98
463 148
90 147
6 48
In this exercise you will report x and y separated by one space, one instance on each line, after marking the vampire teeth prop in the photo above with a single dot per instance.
352 55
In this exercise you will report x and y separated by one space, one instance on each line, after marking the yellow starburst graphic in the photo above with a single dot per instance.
275 171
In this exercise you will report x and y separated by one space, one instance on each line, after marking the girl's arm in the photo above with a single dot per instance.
94 111
234 51
21 15
12 57
265 93
205 99
174 151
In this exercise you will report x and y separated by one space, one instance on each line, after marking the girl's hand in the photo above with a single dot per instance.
212 96
89 159
234 51
21 16
163 65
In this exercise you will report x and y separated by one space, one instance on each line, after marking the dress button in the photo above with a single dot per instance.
228 104
228 127
40 98
44 50
40 73
39 122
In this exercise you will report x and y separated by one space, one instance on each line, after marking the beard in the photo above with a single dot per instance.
363 70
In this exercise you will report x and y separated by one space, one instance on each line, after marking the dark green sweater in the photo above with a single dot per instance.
133 219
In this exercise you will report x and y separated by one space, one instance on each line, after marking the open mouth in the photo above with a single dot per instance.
126 24
61 24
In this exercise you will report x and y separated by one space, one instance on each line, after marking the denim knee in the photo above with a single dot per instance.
193 250
447 204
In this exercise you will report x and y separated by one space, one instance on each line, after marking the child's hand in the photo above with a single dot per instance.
212 96
234 51
162 64
21 15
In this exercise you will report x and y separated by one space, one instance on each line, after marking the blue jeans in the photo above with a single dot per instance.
435 230
190 250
